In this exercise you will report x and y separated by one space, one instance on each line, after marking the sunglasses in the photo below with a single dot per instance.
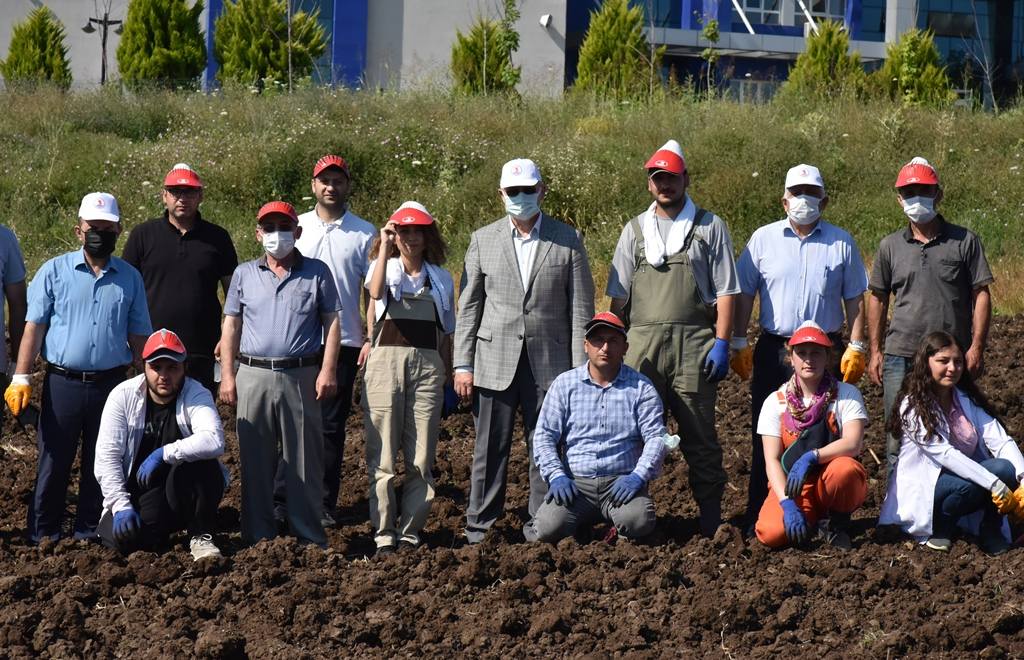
519 190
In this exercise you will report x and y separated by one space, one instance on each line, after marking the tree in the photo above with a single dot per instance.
37 52
482 59
161 43
826 68
913 72
251 41
615 58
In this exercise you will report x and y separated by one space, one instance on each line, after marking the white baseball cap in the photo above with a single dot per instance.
519 172
804 175
99 206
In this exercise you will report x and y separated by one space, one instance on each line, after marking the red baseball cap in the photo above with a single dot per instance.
918 170
277 208
330 160
182 175
810 333
162 344
667 159
607 320
412 213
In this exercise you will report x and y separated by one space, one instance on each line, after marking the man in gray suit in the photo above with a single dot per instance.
527 294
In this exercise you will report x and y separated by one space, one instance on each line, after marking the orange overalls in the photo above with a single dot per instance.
839 485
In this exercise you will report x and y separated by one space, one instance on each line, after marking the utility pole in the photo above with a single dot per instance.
104 24
289 3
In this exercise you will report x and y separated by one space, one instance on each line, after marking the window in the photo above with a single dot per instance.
821 10
763 12
946 24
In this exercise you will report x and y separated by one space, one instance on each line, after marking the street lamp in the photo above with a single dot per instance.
104 24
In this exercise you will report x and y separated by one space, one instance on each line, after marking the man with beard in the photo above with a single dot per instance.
156 457
599 442
87 313
182 258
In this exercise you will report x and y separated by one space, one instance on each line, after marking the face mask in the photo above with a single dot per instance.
522 206
919 209
100 244
279 244
803 209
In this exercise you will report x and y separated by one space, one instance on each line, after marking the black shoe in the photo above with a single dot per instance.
384 551
710 517
406 547
834 530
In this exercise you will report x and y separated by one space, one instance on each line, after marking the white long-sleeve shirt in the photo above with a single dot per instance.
911 494
123 422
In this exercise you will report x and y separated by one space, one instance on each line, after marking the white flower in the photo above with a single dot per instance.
416 163
146 184
755 175
223 113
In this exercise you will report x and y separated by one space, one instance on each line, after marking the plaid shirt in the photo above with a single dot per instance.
604 431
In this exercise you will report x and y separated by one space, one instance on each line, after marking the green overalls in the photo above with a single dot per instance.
671 331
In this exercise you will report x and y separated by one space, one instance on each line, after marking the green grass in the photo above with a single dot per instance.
447 152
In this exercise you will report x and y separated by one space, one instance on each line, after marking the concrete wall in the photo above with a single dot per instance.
83 49
410 41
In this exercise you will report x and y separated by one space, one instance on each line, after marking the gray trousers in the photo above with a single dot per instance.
495 414
555 522
279 408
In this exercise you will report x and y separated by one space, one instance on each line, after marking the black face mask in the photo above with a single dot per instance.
100 244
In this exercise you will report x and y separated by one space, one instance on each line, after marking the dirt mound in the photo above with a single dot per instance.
674 594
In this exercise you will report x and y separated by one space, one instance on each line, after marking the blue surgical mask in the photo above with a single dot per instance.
804 209
522 206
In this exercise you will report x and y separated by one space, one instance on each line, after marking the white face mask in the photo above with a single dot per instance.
803 209
522 206
279 244
919 209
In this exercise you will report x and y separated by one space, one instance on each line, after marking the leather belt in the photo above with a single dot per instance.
279 364
85 376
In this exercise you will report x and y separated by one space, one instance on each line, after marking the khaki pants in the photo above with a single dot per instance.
402 396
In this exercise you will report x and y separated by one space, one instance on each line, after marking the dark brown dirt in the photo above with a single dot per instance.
676 594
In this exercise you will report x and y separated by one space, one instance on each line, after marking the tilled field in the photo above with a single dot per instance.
675 594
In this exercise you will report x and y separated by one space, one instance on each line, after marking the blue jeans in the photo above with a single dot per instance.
956 497
894 368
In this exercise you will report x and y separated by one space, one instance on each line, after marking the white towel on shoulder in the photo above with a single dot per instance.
655 249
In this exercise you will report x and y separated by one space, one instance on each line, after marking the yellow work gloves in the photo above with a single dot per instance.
1007 503
742 361
853 363
18 393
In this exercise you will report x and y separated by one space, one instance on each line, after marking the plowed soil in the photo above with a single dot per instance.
676 594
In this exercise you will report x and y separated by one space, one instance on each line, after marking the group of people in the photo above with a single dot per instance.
520 335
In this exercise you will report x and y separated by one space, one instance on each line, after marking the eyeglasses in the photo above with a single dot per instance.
519 190
183 193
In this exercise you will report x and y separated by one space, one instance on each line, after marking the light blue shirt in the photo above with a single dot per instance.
801 280
89 317
12 271
606 431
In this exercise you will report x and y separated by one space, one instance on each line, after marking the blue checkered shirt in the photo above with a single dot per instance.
603 431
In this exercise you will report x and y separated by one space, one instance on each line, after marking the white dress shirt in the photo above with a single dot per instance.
526 249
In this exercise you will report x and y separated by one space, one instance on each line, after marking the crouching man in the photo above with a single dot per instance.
156 456
606 420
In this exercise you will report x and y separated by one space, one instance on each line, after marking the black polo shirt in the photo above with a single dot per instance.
181 273
933 283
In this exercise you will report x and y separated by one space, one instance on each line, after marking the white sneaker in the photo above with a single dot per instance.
203 546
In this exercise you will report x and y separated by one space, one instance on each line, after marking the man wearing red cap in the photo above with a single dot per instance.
332 233
279 309
527 294
599 442
939 277
672 272
156 457
182 257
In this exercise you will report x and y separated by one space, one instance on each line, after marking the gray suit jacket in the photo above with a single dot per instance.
496 316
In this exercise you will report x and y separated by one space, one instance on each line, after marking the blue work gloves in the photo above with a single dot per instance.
798 473
625 488
794 522
716 365
149 466
451 401
562 490
127 525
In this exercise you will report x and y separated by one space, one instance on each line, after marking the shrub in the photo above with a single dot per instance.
826 68
251 41
482 59
37 52
615 58
913 73
161 43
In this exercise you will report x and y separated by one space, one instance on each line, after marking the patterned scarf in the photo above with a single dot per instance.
799 416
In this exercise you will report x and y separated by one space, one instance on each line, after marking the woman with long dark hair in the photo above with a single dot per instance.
957 466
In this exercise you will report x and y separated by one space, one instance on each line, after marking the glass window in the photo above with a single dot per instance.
821 10
763 12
